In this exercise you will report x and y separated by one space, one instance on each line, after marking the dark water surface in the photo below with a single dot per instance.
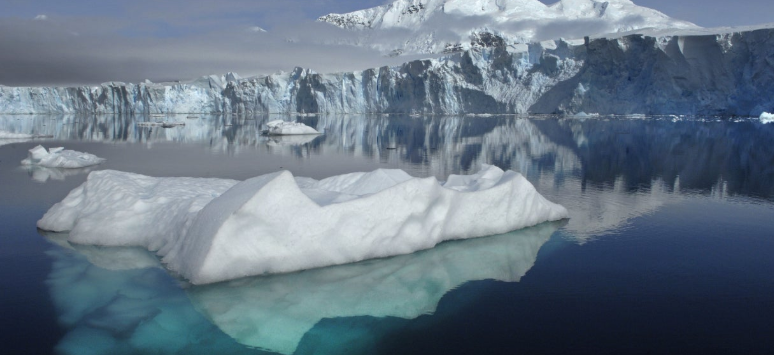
668 248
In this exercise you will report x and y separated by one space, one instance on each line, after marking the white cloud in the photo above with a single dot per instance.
41 17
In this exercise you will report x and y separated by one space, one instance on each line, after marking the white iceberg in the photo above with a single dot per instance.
60 158
284 128
276 223
767 117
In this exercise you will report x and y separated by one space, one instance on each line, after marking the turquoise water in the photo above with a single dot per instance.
667 249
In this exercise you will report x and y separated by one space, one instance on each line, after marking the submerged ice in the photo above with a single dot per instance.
118 300
275 312
210 230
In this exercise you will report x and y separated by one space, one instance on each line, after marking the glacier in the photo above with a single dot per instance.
730 73
211 230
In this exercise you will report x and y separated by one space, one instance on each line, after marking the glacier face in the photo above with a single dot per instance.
728 74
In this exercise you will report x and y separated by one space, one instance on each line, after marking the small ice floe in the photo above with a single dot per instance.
211 230
160 124
584 115
285 128
60 158
767 117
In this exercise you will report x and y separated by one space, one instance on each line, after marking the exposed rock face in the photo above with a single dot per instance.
730 74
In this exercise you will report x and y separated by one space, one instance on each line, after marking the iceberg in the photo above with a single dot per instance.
284 128
210 230
767 117
60 158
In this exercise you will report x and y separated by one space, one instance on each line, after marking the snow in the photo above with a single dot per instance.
210 230
60 158
285 128
767 117
143 211
518 21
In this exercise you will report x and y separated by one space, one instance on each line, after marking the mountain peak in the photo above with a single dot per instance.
519 20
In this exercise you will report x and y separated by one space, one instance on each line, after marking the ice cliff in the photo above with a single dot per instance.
729 74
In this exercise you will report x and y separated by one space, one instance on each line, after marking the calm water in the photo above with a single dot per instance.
668 249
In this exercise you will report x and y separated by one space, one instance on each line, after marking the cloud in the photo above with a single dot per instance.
41 17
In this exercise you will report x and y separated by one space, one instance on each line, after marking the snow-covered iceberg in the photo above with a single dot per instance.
276 223
285 128
767 117
60 158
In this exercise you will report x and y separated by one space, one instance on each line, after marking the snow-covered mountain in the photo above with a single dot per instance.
728 74
432 26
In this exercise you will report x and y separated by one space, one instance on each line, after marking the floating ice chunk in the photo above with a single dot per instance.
60 158
767 117
276 223
282 128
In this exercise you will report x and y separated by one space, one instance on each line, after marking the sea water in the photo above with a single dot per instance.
667 248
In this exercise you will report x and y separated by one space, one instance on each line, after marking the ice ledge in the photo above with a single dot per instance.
276 223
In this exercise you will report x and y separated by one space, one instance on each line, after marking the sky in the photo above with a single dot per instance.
86 42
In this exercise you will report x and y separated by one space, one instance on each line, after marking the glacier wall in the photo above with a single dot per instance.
724 74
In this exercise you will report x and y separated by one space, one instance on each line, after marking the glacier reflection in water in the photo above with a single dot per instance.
116 300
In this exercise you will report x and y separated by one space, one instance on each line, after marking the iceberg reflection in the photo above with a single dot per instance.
275 312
